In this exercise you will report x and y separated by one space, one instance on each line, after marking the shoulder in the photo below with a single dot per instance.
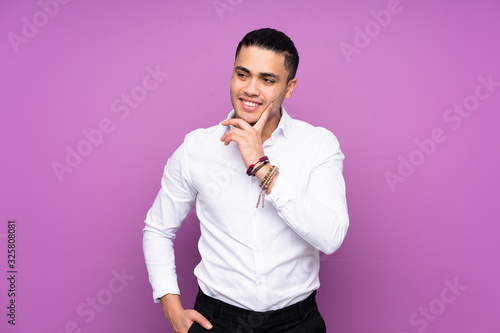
302 130
197 145
202 136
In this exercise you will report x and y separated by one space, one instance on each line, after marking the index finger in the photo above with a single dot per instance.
259 125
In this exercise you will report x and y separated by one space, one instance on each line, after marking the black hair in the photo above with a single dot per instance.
276 41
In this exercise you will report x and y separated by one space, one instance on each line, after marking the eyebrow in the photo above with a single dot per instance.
246 70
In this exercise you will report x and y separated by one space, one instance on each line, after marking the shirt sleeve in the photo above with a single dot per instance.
164 218
319 213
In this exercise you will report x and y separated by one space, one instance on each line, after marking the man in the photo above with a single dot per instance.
280 200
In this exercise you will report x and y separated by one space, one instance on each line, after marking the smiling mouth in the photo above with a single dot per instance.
251 104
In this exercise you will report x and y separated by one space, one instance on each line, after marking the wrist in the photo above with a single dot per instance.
171 304
261 174
253 168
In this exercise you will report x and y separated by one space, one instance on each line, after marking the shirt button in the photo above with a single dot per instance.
259 282
257 250
253 179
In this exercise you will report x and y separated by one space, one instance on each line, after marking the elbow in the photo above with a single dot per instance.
152 232
337 235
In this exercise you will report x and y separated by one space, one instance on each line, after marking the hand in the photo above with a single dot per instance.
181 319
247 137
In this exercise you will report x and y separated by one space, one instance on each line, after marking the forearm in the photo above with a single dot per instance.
172 306
160 263
319 217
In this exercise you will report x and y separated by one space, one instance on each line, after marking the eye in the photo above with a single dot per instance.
269 81
242 75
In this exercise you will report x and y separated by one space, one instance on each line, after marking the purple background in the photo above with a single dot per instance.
406 240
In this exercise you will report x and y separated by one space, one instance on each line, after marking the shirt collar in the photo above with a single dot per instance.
284 125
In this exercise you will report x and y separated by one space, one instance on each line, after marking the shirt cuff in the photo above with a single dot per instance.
282 191
163 286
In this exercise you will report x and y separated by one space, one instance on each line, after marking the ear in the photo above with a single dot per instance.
290 87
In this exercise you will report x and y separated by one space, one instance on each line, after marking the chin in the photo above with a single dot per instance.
249 120
246 117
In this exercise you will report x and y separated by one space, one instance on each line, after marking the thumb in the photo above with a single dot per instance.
259 125
200 319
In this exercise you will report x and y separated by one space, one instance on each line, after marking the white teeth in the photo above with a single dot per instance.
250 103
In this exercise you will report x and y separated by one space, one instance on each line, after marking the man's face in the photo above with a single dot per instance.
259 78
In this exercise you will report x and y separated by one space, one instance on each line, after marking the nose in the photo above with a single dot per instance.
252 87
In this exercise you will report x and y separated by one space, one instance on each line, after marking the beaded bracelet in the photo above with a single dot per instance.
268 179
268 176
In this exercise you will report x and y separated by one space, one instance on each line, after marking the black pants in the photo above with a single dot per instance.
302 317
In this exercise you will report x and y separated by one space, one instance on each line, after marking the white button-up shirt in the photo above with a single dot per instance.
256 258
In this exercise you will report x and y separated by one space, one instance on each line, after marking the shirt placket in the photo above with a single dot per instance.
257 243
258 231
